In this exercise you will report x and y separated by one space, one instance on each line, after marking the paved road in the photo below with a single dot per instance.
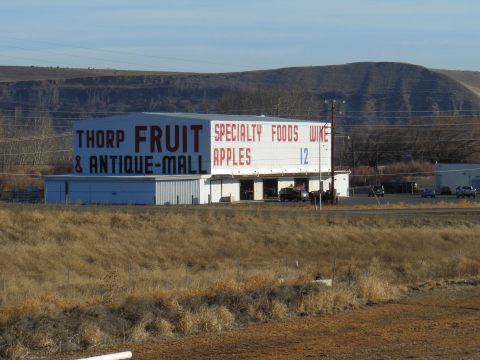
452 208
363 199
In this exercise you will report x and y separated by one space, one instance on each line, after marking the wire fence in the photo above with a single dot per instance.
31 194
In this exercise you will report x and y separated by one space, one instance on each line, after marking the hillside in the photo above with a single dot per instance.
366 88
470 79
35 73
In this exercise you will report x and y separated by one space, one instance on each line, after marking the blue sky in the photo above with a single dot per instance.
218 36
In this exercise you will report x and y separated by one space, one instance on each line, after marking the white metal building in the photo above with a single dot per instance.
453 175
175 158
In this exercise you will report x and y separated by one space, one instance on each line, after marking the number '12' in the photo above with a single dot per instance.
304 156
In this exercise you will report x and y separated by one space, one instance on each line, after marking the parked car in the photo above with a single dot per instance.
269 193
393 187
326 197
376 190
458 191
290 194
428 193
445 190
465 191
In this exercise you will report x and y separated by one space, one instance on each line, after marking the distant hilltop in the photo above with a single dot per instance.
367 88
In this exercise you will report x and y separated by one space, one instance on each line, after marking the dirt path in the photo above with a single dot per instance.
437 324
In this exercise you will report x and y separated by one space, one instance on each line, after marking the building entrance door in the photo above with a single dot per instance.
270 188
246 189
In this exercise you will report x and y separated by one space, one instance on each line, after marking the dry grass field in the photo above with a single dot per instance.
71 280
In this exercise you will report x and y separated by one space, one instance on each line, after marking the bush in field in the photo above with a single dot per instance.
373 289
17 352
90 335
163 328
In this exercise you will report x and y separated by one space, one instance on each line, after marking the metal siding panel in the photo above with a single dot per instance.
169 190
80 192
112 192
54 191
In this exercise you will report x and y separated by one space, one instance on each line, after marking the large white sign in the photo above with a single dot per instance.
141 145
160 144
268 147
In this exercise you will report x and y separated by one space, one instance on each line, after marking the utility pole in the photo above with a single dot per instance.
320 135
353 156
332 139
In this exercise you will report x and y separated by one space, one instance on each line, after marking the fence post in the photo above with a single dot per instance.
4 288
129 274
68 282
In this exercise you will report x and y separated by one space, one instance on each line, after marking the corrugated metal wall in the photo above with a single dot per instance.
141 192
453 175
55 191
171 192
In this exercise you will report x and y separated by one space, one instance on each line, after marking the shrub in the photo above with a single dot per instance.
187 324
163 328
207 321
17 352
138 332
41 341
278 310
225 318
372 288
90 335
317 302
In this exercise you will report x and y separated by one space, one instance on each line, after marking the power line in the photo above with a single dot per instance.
418 172
379 121
409 111
116 52
447 113
82 56
401 126
37 152
32 138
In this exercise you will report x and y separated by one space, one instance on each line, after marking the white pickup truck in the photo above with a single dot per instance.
463 191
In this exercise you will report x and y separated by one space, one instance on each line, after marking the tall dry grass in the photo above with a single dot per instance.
101 256
103 276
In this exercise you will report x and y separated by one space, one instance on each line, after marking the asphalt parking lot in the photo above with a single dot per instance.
391 199
363 199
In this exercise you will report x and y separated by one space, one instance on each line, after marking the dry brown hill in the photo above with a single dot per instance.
367 88
470 79
35 73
